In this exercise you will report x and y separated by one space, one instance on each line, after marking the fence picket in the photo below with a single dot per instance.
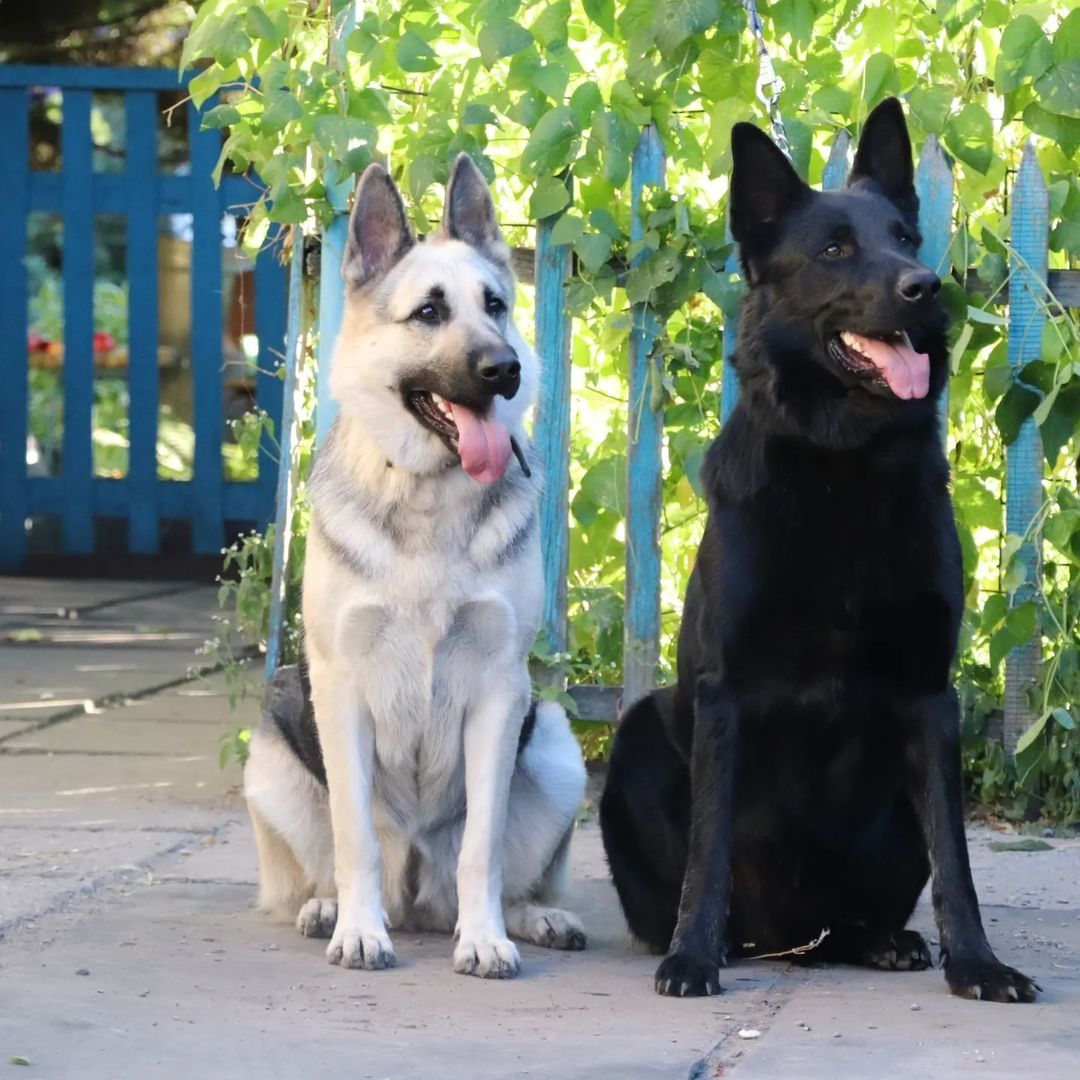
78 271
641 650
553 339
142 275
14 206
1024 459
934 184
838 164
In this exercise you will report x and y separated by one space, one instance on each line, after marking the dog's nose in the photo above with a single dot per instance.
499 370
918 285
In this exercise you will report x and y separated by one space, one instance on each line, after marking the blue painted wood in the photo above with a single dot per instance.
77 526
87 78
208 532
176 498
270 316
109 192
142 270
287 470
641 650
1024 458
14 107
838 165
553 339
331 284
934 184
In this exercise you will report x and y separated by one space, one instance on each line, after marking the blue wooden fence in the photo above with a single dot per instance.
142 192
1029 290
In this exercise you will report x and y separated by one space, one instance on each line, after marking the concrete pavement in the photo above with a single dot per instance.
129 947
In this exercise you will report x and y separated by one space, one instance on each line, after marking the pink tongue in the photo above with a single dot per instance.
906 371
483 444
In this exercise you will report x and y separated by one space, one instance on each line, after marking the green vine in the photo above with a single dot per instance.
545 92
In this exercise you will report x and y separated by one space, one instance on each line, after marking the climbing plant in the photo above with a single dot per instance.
542 93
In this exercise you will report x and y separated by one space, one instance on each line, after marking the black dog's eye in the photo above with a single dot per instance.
427 313
906 240
494 305
833 251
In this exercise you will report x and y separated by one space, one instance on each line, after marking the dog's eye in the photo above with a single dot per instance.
427 313
906 240
494 305
833 251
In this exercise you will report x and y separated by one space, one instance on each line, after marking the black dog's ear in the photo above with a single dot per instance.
764 187
469 214
884 157
379 233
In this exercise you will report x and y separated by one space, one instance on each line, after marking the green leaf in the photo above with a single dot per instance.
478 114
604 222
624 102
207 83
833 99
259 25
957 14
424 170
1025 53
1032 733
593 249
970 135
601 12
552 25
567 229
794 17
931 105
221 116
1061 422
879 79
552 142
614 139
1014 408
502 37
585 101
1059 89
415 54
1067 38
1063 130
548 197
1064 718
281 109
676 20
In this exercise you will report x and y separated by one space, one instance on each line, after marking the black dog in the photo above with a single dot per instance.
804 773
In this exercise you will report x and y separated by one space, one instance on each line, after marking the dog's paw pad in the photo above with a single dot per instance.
489 958
989 980
902 950
683 975
317 918
354 949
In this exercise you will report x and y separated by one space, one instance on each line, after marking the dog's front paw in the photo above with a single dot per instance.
489 957
685 975
351 947
317 918
988 980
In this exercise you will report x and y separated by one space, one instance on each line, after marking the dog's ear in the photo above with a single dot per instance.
884 157
379 233
764 188
470 213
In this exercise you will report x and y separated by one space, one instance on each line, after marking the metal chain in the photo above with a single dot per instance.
769 85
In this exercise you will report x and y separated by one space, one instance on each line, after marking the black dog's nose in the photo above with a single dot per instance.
500 370
918 285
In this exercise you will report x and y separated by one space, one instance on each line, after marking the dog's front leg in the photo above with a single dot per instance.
698 947
347 734
934 768
491 732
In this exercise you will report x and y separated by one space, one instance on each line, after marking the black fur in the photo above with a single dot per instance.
287 708
804 772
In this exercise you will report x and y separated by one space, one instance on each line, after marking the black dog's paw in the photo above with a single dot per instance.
902 950
684 975
989 980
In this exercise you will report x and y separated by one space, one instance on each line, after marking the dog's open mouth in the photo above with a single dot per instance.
481 442
888 359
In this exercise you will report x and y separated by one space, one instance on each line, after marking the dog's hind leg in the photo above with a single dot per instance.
292 831
645 819
545 796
